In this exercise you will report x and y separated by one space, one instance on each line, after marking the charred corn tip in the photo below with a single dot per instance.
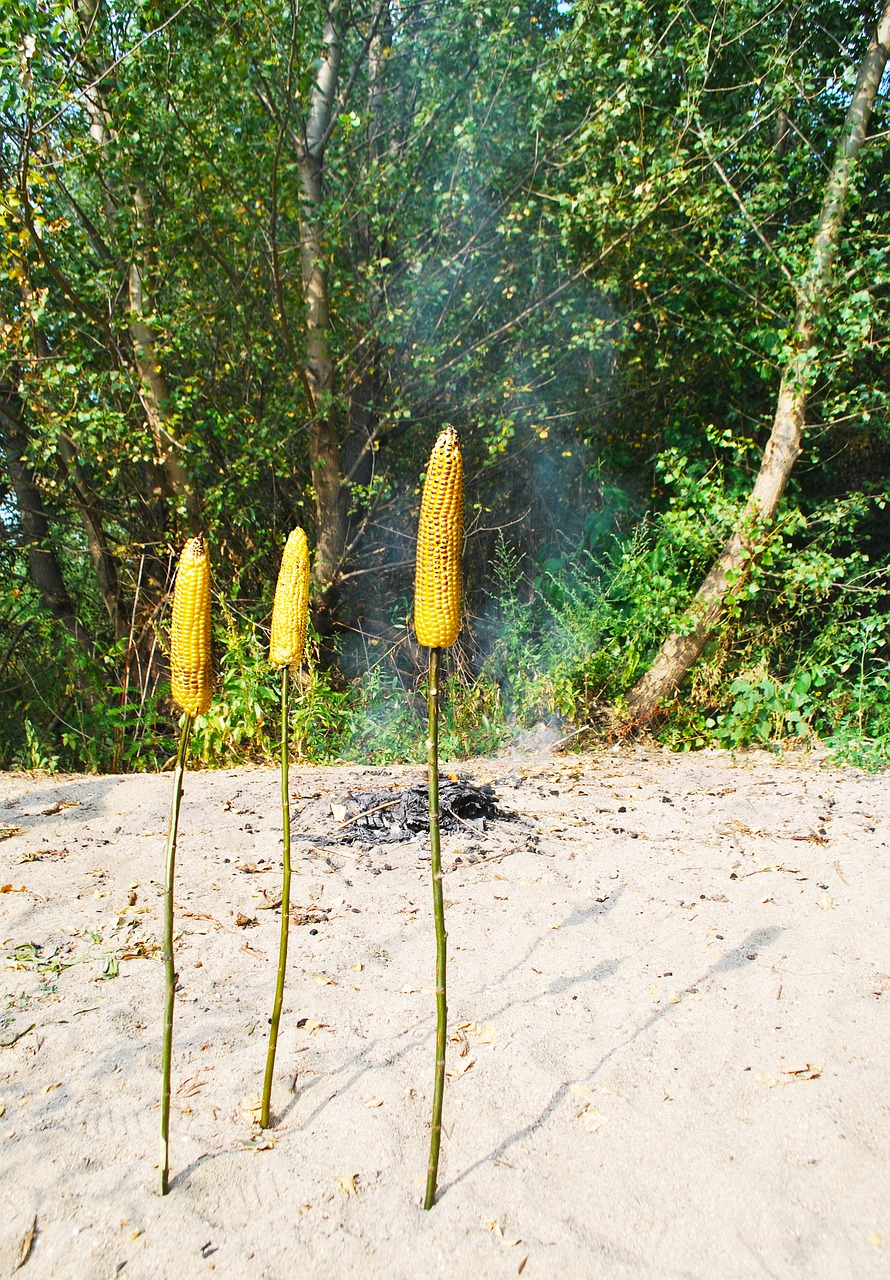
291 606
190 670
440 536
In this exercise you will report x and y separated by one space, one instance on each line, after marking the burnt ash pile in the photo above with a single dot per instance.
380 817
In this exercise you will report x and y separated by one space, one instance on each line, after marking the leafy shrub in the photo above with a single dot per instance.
563 635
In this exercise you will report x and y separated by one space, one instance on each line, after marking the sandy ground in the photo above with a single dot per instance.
669 981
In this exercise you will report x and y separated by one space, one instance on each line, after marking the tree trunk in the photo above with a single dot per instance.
97 544
308 139
365 391
682 649
154 393
324 435
43 564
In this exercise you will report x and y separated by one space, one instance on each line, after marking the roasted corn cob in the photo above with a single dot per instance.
190 670
291 603
437 591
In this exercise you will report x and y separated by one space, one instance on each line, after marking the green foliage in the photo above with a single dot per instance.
241 720
768 710
573 230
322 716
805 657
380 719
563 636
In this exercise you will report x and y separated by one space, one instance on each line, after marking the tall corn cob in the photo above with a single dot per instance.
437 592
190 671
289 615
191 689
437 603
291 606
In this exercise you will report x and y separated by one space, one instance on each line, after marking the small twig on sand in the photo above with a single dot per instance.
487 859
7 1044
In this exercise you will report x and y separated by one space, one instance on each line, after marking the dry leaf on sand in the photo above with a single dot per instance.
262 1142
25 1244
805 1072
508 1241
311 1025
482 1032
252 1106
592 1119
460 1068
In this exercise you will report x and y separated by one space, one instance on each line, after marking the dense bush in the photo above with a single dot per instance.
556 638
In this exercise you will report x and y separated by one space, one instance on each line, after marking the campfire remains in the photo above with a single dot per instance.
385 817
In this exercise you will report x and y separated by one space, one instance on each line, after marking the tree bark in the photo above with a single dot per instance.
154 393
43 565
682 649
365 392
97 544
308 135
324 436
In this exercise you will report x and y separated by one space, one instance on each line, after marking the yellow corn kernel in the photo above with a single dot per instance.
440 539
291 606
190 670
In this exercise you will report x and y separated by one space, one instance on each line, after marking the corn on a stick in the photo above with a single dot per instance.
191 688
437 605
289 616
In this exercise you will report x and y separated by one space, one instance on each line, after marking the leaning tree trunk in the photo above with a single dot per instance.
680 651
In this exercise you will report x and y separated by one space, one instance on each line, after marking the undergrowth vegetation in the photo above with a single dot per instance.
554 640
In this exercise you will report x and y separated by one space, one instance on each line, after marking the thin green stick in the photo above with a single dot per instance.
432 751
169 969
285 907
